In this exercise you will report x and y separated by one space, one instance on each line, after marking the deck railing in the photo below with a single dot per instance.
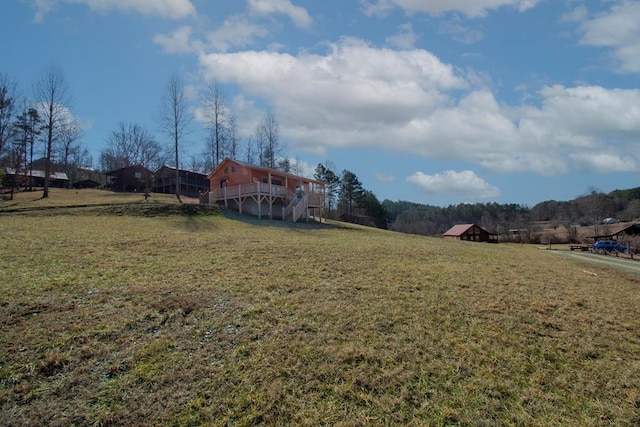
315 199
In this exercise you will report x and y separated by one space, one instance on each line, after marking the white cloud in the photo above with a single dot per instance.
382 177
408 101
578 14
619 30
461 32
236 31
297 14
603 163
405 38
178 42
173 9
470 8
464 185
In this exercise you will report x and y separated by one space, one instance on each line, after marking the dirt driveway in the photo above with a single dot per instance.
606 261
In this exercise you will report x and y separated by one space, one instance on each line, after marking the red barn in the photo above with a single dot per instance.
470 232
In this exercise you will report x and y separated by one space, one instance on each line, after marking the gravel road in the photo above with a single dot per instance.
605 261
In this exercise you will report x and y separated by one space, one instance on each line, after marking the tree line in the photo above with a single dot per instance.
346 198
42 124
44 117
519 222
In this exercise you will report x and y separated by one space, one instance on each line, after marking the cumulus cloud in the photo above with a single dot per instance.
464 185
235 32
405 38
604 163
408 101
172 9
178 41
470 8
297 14
617 29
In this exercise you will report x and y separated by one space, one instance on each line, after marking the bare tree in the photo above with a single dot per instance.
52 97
218 122
7 107
174 119
131 144
27 126
233 142
250 151
270 149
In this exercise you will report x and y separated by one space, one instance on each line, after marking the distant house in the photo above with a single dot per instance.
130 178
627 230
264 191
86 183
192 184
22 178
470 232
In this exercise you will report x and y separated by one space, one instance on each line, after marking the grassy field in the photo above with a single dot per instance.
122 319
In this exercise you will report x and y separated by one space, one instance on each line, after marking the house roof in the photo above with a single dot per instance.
181 170
264 169
459 229
40 174
138 167
625 229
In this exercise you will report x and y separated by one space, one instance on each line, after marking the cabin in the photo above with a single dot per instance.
263 191
130 179
34 178
192 184
86 183
470 232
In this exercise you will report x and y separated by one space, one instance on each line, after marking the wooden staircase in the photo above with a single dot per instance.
296 207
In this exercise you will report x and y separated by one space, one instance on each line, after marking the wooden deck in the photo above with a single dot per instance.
294 205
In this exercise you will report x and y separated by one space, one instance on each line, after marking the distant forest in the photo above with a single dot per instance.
590 209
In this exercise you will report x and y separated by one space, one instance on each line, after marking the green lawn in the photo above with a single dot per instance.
183 320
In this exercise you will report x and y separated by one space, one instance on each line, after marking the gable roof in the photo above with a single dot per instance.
132 167
173 168
263 169
459 229
39 174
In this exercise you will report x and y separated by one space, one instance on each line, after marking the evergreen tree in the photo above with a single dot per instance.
332 185
351 192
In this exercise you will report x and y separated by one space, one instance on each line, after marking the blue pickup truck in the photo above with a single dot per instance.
609 246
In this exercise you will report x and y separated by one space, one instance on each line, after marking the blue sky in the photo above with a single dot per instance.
431 101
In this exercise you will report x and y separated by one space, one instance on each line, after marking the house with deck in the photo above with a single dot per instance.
470 232
263 191
192 184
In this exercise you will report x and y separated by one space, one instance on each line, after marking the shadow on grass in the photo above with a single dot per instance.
277 223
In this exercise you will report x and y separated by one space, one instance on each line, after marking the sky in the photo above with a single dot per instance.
431 101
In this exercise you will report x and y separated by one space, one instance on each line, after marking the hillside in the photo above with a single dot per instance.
570 220
116 319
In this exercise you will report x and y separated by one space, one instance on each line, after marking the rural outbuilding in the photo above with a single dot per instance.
35 178
130 178
470 232
86 183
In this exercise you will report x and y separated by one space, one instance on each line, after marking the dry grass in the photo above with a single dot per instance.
30 201
112 320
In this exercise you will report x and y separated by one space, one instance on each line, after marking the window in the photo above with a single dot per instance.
137 175
265 180
226 170
233 169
